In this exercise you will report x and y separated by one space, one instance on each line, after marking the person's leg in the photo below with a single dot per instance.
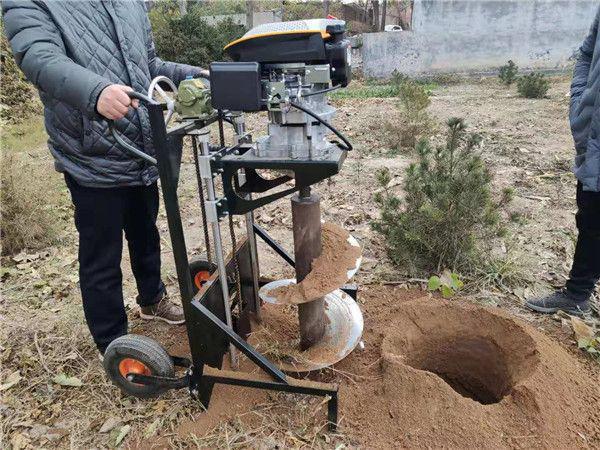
585 271
144 250
99 221
143 241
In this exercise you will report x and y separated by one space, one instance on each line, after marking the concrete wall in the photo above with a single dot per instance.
260 17
480 35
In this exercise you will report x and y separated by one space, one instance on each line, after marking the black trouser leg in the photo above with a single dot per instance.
585 271
99 221
144 243
101 215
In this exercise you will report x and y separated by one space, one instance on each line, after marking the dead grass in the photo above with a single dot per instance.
38 411
29 197
499 273
285 421
43 334
33 198
24 136
403 132
18 98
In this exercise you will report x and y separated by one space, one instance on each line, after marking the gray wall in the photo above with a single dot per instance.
480 35
259 18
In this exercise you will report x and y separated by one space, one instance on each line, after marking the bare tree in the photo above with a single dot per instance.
376 15
326 5
249 14
383 14
405 8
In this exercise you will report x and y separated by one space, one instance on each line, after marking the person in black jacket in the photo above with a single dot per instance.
584 116
83 57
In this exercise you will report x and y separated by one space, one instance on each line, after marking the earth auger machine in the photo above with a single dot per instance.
286 69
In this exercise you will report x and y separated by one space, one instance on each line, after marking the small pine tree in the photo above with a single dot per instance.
533 85
398 78
508 73
448 215
405 130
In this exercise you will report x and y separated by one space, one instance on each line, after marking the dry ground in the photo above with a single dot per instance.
528 146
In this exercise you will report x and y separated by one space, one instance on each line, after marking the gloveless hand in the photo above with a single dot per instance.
114 102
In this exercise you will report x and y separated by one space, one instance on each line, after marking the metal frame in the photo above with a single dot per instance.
306 173
209 331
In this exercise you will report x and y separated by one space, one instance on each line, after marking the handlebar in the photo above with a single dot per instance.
130 148
142 97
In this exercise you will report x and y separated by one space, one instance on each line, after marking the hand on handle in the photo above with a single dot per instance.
114 101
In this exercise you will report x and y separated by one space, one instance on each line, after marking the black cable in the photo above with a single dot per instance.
130 148
221 131
347 144
324 91
140 96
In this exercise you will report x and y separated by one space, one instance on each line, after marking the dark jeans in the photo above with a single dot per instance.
586 263
101 216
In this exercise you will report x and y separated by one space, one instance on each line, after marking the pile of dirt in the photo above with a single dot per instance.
277 336
436 373
454 374
328 272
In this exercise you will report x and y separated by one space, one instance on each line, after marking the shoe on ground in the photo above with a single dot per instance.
558 301
164 310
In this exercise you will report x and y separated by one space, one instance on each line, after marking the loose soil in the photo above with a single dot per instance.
437 373
328 272
277 337
455 375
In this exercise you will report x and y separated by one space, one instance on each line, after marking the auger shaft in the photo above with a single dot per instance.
306 219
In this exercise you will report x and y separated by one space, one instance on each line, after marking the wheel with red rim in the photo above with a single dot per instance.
135 354
200 272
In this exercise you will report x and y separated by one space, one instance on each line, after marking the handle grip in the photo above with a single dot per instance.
125 145
141 97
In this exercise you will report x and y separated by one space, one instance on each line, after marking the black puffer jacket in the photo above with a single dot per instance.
71 50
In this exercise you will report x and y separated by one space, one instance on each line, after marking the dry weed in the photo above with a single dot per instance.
403 132
29 197
284 421
40 411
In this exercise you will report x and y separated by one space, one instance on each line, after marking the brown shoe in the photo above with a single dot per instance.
164 310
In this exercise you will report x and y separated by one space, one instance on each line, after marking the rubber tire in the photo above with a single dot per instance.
145 350
200 265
